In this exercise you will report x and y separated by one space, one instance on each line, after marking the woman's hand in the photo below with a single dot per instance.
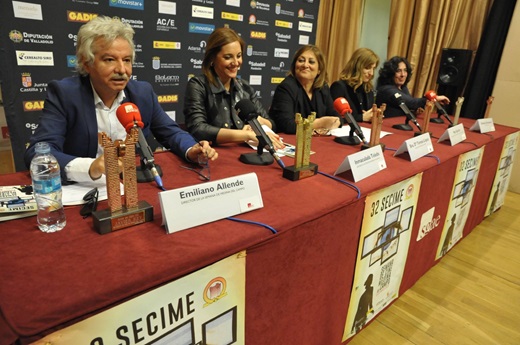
275 138
443 99
326 122
367 115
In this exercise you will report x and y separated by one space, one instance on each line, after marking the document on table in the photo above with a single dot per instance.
345 132
73 193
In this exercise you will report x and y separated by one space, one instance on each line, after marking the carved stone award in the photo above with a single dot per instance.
302 167
132 212
458 107
375 131
489 102
426 119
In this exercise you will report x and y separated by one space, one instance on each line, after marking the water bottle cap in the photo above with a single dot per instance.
42 147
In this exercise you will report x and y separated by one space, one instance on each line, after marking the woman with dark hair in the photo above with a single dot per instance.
303 91
392 82
355 83
209 101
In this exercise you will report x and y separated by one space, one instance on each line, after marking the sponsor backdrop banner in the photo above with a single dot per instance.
382 251
204 307
461 199
503 174
38 40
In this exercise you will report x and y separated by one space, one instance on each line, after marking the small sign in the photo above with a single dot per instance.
483 125
363 163
416 147
455 134
190 206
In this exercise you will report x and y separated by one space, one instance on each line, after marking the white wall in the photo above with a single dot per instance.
504 109
374 29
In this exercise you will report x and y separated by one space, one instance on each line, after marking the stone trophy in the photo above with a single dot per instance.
375 131
458 107
426 119
489 102
132 212
302 167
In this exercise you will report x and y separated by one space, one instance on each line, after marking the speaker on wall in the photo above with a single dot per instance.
453 72
454 66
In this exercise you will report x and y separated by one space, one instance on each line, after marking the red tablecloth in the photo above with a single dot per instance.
297 282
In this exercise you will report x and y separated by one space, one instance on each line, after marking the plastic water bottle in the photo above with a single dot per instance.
46 180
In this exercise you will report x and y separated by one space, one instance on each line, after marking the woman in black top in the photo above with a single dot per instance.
355 83
391 88
303 91
209 102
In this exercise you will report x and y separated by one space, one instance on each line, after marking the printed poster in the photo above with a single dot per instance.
461 199
205 307
382 251
503 174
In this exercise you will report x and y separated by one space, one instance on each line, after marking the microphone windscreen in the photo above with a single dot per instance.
245 109
341 106
430 95
128 114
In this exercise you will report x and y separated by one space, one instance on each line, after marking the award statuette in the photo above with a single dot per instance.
133 212
488 106
375 131
302 167
426 123
458 107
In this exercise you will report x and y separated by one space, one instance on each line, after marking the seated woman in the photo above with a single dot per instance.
303 91
393 78
355 83
209 102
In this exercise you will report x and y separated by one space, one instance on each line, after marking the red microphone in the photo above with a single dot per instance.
343 108
129 116
341 105
432 96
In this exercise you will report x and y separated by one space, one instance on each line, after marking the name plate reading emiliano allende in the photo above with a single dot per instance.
416 147
483 125
363 163
455 134
190 206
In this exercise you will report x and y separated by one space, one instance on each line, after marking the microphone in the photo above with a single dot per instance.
406 110
432 96
247 113
130 117
343 108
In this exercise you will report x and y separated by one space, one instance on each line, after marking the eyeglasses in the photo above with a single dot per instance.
203 169
90 205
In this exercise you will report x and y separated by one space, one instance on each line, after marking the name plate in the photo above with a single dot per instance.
190 206
416 147
363 163
455 134
483 125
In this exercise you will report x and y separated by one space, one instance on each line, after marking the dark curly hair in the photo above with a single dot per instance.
389 68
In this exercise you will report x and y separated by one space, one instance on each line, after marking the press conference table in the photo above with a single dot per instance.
298 281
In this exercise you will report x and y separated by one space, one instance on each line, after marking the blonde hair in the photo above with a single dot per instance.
352 73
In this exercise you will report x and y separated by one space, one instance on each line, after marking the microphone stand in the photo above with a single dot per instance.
259 157
145 172
404 126
437 119
348 140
